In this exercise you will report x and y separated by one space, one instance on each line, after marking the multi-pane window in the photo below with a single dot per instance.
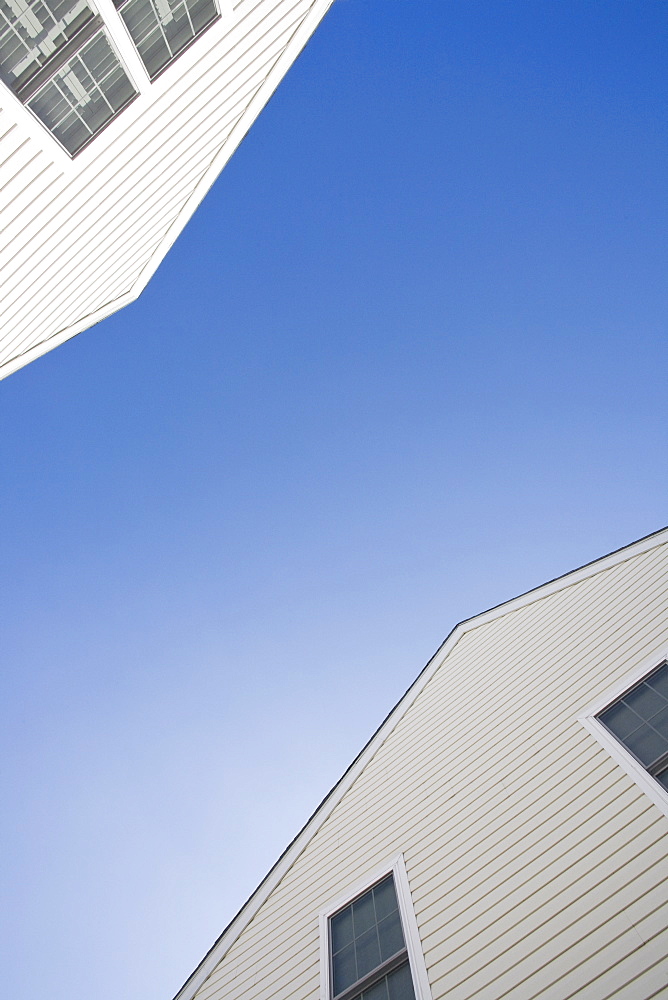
32 32
57 58
84 94
368 956
639 720
161 29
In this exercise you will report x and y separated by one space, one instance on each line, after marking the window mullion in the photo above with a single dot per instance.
659 764
373 977
124 44
59 58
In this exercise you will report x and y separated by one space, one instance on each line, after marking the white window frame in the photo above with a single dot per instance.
649 785
416 963
147 91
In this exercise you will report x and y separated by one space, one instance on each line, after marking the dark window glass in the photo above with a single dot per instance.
84 94
398 985
391 935
33 31
639 720
161 29
363 937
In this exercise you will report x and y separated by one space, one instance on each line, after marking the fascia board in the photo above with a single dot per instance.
321 814
329 803
289 54
56 339
235 138
570 579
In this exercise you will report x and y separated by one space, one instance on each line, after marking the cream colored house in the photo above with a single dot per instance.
503 834
116 116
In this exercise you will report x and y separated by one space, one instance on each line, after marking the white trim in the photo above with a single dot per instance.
183 60
238 924
312 19
649 785
131 64
124 45
411 932
304 837
85 323
570 579
148 93
397 868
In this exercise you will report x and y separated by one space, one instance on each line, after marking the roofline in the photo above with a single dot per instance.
56 339
290 53
275 874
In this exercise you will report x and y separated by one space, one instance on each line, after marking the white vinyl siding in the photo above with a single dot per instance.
537 868
74 254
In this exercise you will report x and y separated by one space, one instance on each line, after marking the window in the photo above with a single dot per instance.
639 720
161 29
57 58
367 949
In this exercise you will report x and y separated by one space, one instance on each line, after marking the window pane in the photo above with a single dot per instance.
363 914
385 898
391 936
32 31
639 719
84 94
643 700
659 681
344 969
377 992
363 936
397 986
400 984
647 745
660 723
367 952
162 28
342 928
620 720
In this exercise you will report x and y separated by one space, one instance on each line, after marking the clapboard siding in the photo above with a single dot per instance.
537 867
154 138
510 897
64 225
86 279
121 201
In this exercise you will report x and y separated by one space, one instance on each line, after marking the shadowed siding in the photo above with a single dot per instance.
537 867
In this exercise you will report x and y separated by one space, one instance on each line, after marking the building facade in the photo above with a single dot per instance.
115 119
503 834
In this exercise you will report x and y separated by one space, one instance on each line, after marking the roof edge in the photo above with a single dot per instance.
275 874
241 128
54 340
573 576
264 93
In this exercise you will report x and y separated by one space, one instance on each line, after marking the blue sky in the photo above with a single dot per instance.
407 360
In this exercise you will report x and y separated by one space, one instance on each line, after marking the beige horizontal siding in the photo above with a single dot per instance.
537 867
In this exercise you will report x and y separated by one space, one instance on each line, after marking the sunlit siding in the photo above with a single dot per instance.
80 238
537 867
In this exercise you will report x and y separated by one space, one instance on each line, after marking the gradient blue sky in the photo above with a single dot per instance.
407 361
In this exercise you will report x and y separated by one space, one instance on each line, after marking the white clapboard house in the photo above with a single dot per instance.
504 833
116 116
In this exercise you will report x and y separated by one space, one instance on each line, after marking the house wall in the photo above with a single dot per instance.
80 237
537 867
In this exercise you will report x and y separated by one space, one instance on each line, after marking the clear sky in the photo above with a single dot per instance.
407 360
